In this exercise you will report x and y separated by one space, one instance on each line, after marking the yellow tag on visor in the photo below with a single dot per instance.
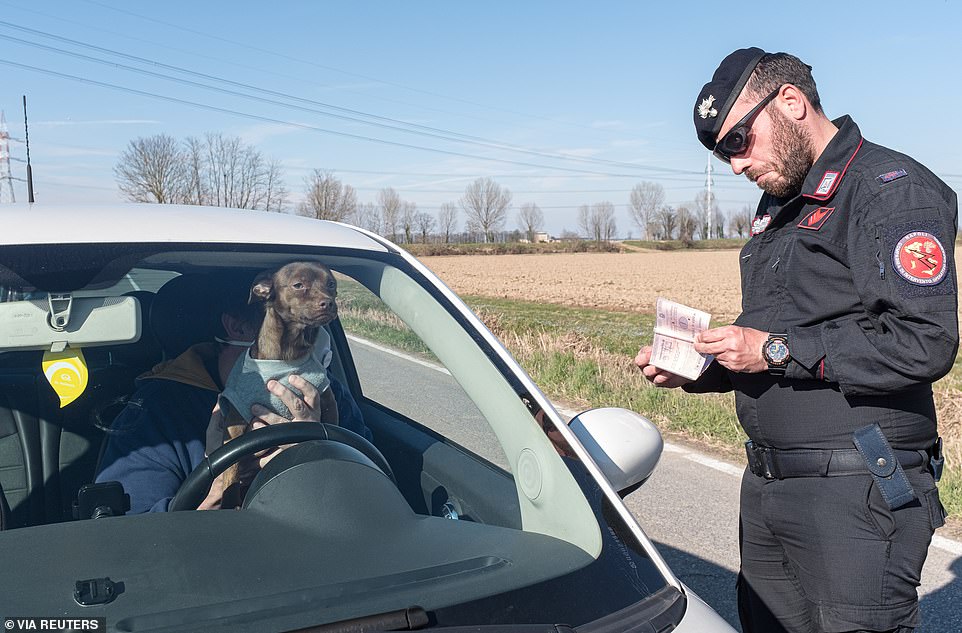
66 372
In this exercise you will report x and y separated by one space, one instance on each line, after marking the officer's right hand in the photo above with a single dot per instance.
656 376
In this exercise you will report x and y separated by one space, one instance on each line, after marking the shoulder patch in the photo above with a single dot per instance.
890 176
919 258
814 220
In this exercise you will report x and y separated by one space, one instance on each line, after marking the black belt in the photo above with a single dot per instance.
774 463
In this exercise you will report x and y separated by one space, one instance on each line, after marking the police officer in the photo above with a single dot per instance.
849 314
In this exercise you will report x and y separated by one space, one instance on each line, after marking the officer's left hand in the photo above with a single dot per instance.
734 347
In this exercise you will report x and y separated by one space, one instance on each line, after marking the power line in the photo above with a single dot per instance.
352 115
334 69
303 126
265 71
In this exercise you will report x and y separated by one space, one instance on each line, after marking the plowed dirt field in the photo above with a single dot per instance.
708 280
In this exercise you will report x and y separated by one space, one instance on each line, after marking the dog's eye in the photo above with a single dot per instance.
331 285
297 285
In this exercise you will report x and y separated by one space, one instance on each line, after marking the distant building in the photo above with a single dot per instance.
539 238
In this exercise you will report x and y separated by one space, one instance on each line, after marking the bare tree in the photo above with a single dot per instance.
688 224
327 198
368 217
447 220
598 221
276 197
667 221
194 172
708 212
741 221
584 220
236 175
425 225
408 211
218 171
390 203
530 219
151 169
486 203
647 198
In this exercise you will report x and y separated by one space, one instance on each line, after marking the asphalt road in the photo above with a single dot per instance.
689 506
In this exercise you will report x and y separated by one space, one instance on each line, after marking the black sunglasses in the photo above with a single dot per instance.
736 141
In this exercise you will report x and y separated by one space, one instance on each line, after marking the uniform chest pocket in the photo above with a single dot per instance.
746 264
816 275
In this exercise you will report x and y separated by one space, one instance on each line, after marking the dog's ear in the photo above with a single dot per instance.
263 288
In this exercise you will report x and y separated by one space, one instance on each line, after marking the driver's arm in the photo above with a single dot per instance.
150 450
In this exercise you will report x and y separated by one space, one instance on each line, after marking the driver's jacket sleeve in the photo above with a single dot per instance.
159 437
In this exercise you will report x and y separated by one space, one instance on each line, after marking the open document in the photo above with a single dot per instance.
673 348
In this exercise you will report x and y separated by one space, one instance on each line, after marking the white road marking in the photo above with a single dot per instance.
393 352
941 542
947 544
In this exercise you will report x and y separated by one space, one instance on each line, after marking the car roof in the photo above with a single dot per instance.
151 223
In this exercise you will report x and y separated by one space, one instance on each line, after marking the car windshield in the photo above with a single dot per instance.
478 517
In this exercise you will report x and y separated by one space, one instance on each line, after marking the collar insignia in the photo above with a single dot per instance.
760 223
825 186
705 110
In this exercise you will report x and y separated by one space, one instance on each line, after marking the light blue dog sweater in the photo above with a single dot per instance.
247 381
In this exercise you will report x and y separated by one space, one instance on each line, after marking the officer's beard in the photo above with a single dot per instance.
794 154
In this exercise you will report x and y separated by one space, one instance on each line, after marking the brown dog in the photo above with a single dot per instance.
298 299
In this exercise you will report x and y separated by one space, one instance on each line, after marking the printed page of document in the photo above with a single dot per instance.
673 346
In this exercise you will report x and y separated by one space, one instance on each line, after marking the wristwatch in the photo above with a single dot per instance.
776 354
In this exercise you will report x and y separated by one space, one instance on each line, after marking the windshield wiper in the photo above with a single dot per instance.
409 619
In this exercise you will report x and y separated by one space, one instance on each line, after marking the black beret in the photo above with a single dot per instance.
718 96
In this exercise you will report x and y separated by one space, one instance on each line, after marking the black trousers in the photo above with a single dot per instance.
827 555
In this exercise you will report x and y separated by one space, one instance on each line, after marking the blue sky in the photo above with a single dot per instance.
610 83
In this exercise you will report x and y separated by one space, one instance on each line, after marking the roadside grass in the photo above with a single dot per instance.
512 248
583 357
363 314
679 245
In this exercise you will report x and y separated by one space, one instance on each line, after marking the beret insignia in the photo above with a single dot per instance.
705 110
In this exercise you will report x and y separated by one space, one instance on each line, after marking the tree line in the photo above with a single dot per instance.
219 170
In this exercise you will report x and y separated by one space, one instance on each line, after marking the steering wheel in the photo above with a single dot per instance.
197 485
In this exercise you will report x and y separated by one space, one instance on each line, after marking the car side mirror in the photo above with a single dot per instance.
624 444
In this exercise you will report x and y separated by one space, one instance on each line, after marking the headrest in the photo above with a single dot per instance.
187 309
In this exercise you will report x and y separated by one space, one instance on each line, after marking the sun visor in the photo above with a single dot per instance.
62 321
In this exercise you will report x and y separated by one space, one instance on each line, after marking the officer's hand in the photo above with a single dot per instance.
734 347
656 376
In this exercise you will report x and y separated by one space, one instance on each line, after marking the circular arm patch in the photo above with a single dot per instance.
920 258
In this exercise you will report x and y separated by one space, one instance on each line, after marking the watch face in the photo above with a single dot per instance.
776 351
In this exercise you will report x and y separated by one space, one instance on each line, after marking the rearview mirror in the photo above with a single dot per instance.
625 445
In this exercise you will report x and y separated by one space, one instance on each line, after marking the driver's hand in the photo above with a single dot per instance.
215 496
303 409
215 431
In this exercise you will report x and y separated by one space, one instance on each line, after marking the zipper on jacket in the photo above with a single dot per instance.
878 252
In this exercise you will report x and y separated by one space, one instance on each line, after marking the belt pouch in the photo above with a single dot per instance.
885 469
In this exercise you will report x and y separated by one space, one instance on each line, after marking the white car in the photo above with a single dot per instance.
463 501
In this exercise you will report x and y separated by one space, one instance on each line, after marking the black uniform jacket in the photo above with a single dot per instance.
859 271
